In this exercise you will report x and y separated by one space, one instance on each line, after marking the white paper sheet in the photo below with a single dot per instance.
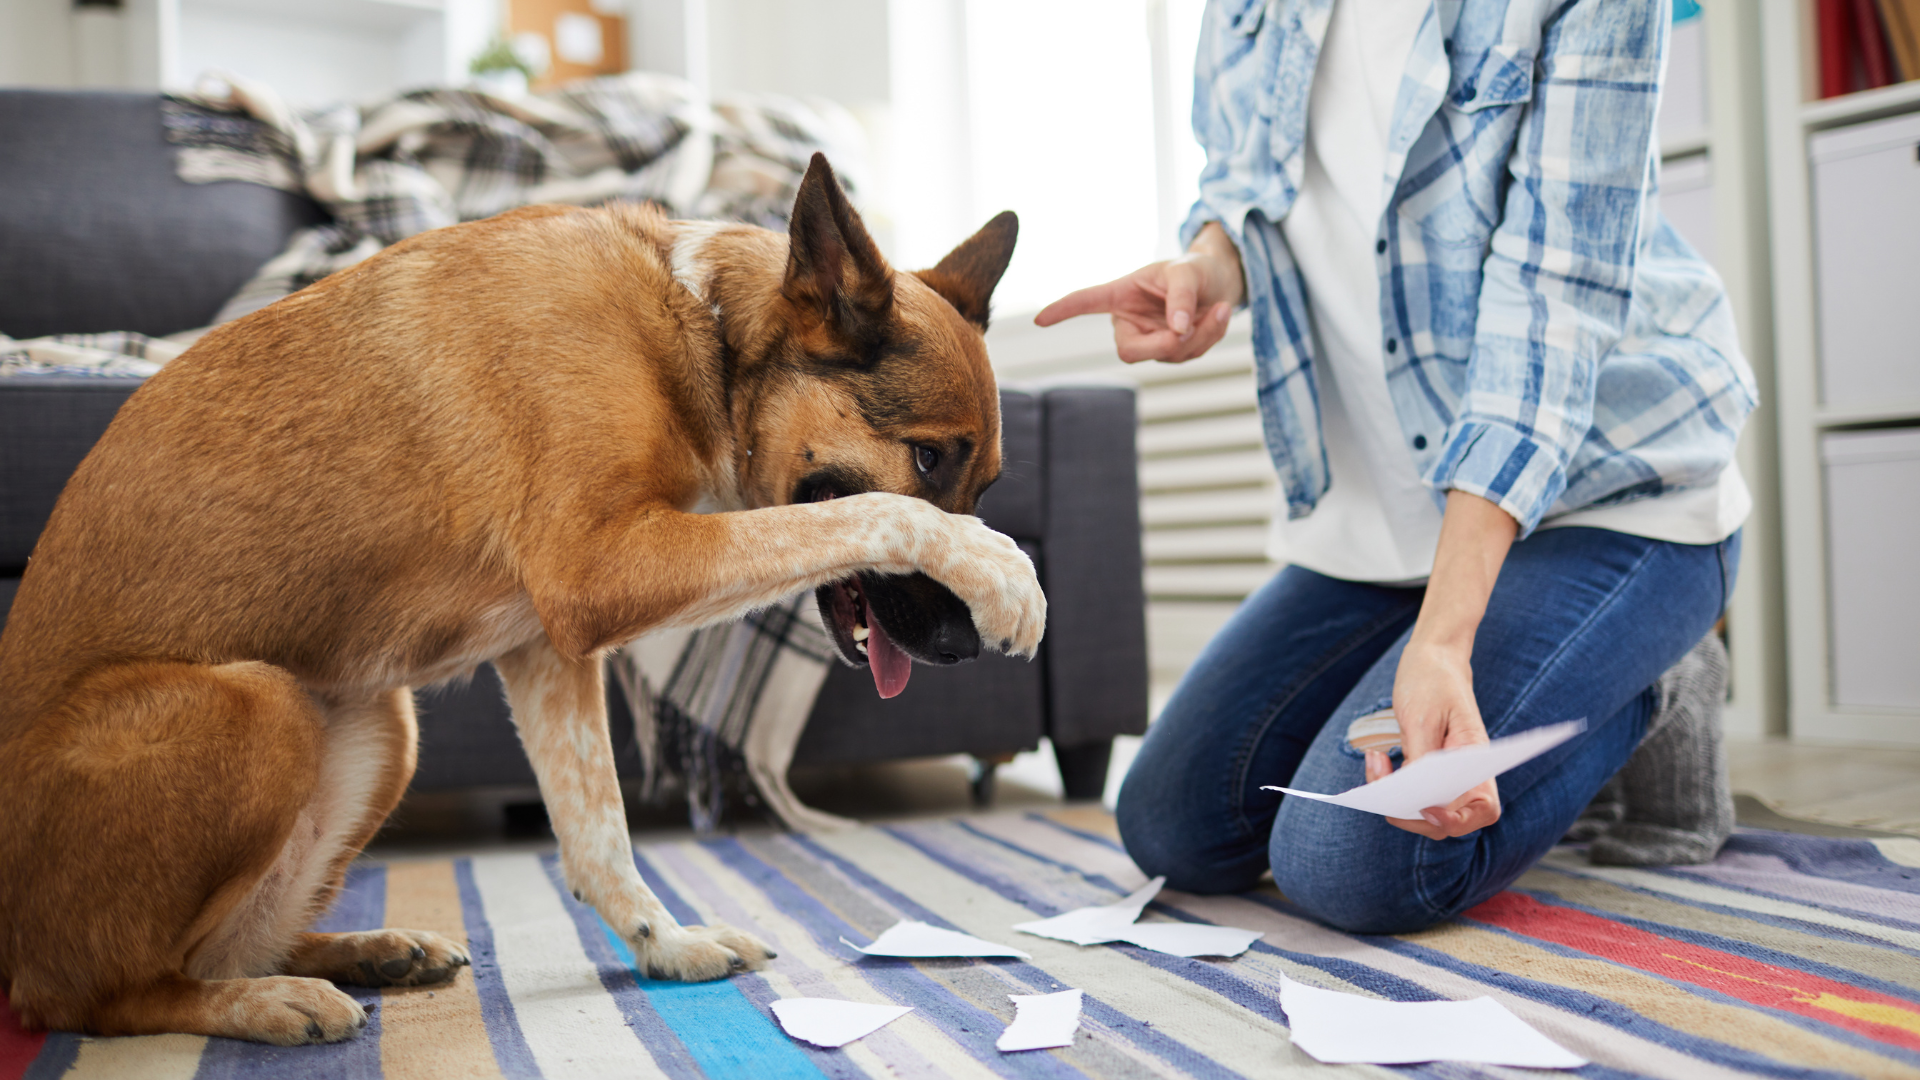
1042 1021
1342 1028
1115 922
1442 776
829 1023
1190 939
917 939
1095 925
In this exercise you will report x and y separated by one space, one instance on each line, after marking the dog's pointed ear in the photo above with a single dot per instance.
967 275
833 265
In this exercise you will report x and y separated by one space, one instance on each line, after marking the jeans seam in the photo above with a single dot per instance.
1278 704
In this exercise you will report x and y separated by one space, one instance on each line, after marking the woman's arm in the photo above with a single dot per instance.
1433 689
1173 310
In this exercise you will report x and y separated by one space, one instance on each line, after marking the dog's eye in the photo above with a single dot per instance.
926 458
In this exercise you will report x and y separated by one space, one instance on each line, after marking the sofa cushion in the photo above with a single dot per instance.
1012 505
98 233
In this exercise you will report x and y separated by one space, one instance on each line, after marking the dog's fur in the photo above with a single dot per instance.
501 441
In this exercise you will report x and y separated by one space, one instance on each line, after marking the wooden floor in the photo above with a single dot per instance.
1870 789
1864 788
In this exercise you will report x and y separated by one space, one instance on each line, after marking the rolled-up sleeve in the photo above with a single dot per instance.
1558 277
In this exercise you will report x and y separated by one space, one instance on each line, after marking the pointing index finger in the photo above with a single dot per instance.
1093 300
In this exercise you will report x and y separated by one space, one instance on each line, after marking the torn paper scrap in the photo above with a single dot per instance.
828 1023
1042 1021
1115 922
1442 776
1342 1029
1095 925
1190 939
917 939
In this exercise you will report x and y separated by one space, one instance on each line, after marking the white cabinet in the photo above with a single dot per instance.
1686 200
1873 515
1866 233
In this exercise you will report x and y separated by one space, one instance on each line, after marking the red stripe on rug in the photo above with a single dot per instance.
1877 1016
18 1048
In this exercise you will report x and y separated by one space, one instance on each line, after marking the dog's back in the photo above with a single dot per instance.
298 455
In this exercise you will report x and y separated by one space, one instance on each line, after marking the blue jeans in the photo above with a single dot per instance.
1581 624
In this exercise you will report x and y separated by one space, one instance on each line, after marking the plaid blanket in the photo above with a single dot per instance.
430 158
715 708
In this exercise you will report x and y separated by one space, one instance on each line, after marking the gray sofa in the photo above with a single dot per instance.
97 233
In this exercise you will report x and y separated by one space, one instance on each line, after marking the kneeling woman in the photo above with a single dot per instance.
1502 395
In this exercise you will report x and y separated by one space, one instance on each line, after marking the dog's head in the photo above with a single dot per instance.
871 380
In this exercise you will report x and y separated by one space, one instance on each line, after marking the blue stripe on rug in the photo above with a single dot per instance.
1856 862
1599 1009
56 1056
1809 1024
510 1048
1386 984
361 905
701 1034
1746 949
1170 1050
1784 922
967 1024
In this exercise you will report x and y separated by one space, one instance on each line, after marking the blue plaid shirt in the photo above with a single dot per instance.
1552 344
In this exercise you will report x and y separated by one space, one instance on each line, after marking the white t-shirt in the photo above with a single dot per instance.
1378 522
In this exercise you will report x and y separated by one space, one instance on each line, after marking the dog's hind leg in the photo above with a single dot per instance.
149 810
559 705
371 748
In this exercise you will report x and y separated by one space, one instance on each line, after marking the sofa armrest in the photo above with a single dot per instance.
1096 644
47 426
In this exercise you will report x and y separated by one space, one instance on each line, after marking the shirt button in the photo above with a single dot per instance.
1466 90
1379 247
1419 442
1448 46
1393 345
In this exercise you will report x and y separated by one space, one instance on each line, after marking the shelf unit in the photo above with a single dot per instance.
312 53
1733 141
1791 119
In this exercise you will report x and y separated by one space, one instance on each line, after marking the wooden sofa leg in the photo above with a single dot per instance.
1083 769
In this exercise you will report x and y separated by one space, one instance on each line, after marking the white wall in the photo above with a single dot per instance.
36 46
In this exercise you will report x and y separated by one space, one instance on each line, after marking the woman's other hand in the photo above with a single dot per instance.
1433 687
1173 310
1433 700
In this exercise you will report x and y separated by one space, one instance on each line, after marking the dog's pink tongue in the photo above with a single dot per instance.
891 667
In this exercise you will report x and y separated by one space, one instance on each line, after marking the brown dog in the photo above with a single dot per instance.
487 443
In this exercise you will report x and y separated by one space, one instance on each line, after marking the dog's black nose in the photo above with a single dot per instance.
955 642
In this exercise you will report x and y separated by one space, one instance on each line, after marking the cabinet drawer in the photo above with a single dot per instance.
1866 187
1873 515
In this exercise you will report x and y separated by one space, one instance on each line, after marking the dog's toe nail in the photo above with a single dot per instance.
462 960
313 1031
419 953
1006 644
362 1022
771 955
736 963
396 967
644 930
578 898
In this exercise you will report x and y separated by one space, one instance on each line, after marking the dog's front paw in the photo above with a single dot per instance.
292 1012
698 953
378 957
996 579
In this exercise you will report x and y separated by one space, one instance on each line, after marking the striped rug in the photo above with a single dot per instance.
1790 956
